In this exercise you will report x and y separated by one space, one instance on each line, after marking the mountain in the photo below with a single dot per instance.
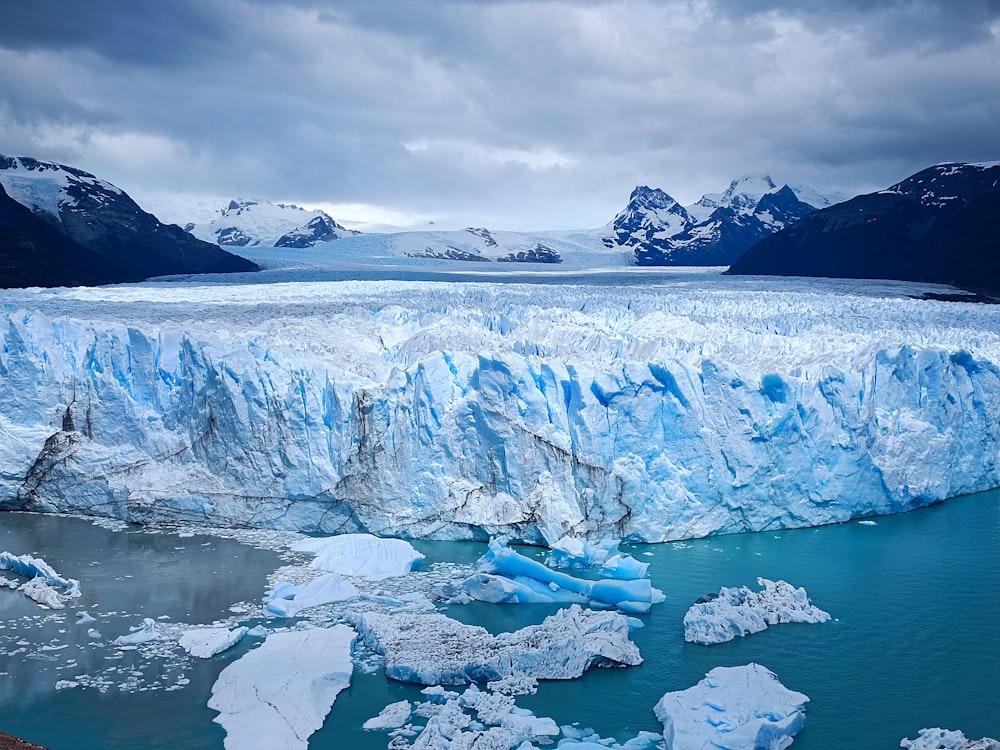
715 230
73 212
259 223
940 225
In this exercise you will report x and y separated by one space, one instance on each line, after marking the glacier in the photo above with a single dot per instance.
643 407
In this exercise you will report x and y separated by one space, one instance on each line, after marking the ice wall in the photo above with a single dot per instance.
461 411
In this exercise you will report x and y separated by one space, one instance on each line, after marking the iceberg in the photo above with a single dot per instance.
142 634
573 552
35 567
508 577
947 739
434 649
207 642
39 591
733 708
287 600
736 612
362 555
392 716
277 695
704 405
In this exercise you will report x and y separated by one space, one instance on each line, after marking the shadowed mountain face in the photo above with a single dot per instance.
74 210
941 225
715 231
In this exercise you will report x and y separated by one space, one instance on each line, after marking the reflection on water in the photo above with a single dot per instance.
914 644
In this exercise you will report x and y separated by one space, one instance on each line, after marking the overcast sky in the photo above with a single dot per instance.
526 115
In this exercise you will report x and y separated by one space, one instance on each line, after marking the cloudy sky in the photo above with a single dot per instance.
525 114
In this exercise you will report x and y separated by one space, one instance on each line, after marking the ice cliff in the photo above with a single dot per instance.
647 412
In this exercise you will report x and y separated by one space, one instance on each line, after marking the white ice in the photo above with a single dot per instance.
733 708
277 695
207 642
434 649
737 612
361 555
391 717
142 634
947 739
39 591
288 600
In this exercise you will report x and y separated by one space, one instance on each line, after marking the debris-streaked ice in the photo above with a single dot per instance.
433 649
277 695
733 708
741 611
361 555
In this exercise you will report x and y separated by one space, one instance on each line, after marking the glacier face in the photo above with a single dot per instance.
647 411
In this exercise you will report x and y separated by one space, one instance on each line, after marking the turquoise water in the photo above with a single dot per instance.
914 642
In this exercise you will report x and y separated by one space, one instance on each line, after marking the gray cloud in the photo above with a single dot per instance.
531 113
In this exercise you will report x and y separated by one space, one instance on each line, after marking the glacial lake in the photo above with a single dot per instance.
914 641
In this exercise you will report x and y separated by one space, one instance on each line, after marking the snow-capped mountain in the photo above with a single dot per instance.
716 229
260 223
940 225
127 243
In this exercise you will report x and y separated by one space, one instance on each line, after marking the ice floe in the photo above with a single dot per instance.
741 611
508 577
733 708
277 695
287 600
947 739
42 588
361 555
207 642
433 649
392 716
142 634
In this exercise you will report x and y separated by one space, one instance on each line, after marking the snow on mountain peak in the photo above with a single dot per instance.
44 186
261 223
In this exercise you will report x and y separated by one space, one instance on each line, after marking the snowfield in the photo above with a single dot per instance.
642 406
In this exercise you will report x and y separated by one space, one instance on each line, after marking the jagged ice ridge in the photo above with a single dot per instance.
466 410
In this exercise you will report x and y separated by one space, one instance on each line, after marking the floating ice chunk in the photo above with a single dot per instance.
392 716
258 631
573 552
434 649
508 577
733 708
362 555
83 618
207 642
9 583
740 611
37 568
94 633
287 600
946 739
624 567
277 695
39 591
143 634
